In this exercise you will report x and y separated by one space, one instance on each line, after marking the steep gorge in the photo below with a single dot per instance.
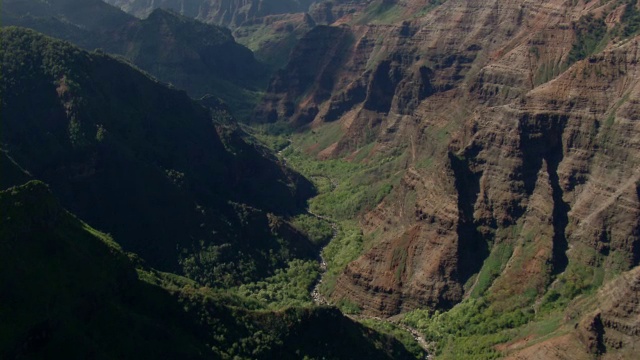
513 126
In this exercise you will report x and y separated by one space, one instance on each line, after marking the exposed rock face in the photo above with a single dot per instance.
512 146
616 324
308 83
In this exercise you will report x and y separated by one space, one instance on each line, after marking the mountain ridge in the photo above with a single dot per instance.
145 162
199 58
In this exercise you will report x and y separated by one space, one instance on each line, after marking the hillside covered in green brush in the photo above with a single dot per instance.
174 181
69 291
188 207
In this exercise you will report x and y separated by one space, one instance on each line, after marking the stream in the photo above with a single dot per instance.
317 296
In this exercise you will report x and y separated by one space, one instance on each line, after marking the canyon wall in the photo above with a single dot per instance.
523 151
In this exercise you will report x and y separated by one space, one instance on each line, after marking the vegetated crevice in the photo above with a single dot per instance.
541 139
473 247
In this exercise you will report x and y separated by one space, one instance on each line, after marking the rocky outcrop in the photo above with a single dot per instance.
540 165
615 325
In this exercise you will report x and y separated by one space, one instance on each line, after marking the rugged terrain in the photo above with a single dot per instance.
533 145
479 161
232 13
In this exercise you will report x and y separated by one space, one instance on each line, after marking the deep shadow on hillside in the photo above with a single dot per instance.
172 180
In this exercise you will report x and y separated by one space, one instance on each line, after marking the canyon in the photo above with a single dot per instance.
502 138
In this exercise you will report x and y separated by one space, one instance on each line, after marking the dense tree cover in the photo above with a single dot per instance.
470 330
172 180
630 19
319 231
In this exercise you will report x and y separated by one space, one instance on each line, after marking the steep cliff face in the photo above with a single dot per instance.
519 124
309 78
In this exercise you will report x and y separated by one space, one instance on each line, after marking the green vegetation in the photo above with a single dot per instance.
630 19
74 289
288 287
432 4
317 230
70 291
590 37
468 331
271 46
381 12
188 54
492 268
175 182
386 327
592 34
347 187
358 187
348 307
548 71
346 247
